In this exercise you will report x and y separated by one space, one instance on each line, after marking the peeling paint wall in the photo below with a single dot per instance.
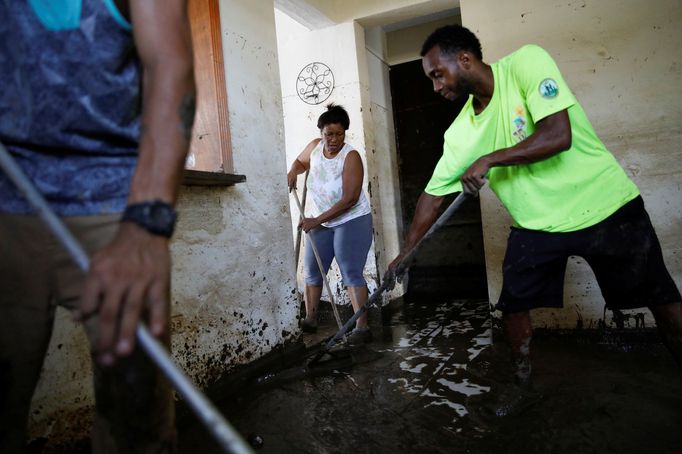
623 61
234 250
233 295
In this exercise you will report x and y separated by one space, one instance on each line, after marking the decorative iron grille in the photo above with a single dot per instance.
315 83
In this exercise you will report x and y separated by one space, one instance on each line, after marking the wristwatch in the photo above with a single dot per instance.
156 217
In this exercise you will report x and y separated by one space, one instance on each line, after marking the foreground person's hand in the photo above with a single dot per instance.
128 279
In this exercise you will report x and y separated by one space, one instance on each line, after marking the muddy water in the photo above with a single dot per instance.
421 385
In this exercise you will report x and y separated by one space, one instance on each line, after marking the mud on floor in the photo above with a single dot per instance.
430 371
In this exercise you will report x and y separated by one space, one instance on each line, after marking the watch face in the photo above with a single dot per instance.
161 216
156 217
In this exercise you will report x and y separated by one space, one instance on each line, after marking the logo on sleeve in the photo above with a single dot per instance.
549 88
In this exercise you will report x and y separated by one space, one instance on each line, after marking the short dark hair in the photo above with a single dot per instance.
334 114
452 39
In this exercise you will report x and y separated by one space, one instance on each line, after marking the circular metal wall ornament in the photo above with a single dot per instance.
315 83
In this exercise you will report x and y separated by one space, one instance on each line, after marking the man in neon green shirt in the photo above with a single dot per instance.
523 130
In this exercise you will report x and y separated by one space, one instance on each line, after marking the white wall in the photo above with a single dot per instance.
337 47
377 12
405 44
623 61
233 279
234 266
385 177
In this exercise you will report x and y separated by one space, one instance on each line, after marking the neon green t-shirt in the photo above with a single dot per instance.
571 190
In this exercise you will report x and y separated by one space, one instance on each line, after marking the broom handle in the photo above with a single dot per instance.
299 233
319 264
399 270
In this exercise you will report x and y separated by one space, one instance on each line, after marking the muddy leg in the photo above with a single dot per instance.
135 409
312 296
515 398
134 402
518 329
358 298
669 322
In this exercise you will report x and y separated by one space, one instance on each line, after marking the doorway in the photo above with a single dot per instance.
452 263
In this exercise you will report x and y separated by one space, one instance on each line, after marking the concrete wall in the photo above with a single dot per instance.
370 12
385 178
233 277
234 254
623 61
338 47
404 44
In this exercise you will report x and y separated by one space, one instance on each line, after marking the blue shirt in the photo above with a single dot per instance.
70 103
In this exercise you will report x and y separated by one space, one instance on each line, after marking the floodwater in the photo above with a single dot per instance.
421 385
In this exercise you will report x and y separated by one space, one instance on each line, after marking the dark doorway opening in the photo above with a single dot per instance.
452 264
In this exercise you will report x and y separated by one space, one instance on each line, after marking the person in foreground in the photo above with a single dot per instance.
343 226
97 109
524 132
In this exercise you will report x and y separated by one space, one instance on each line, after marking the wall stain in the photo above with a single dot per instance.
64 429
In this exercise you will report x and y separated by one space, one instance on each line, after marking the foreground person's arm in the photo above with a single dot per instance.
131 276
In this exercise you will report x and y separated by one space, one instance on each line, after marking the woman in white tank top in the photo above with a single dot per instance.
342 225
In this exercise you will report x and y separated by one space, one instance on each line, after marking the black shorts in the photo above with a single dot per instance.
622 250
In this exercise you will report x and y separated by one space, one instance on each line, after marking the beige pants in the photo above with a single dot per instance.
135 410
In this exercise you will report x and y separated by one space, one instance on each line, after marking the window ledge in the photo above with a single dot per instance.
201 178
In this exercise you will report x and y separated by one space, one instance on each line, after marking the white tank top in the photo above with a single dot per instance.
325 185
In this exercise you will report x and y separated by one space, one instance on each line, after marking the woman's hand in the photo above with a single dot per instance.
308 224
291 180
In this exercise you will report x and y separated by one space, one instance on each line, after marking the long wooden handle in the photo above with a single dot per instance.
299 233
401 268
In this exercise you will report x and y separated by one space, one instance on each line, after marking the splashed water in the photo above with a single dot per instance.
434 360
